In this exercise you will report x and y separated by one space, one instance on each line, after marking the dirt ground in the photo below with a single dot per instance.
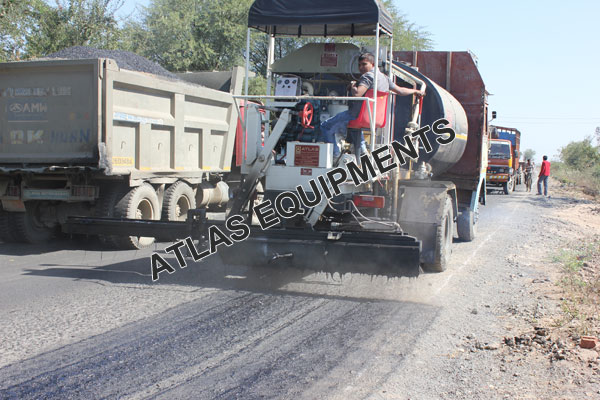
548 340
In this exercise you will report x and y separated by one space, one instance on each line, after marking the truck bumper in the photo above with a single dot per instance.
497 178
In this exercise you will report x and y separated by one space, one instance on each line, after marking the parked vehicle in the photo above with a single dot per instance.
87 138
504 169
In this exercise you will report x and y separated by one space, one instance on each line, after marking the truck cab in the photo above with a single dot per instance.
504 171
500 162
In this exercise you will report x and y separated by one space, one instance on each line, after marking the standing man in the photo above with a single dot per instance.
543 176
338 123
528 175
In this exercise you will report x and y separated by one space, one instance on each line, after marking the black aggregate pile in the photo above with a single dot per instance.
124 59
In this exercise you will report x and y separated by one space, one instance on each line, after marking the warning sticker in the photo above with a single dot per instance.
122 161
306 156
329 60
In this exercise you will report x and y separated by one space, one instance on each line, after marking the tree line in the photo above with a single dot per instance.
180 35
583 155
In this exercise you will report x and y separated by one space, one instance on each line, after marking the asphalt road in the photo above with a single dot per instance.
77 322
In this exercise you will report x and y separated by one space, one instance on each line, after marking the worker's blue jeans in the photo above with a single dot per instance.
544 179
338 125
335 125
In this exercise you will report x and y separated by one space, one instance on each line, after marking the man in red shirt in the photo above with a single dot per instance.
543 176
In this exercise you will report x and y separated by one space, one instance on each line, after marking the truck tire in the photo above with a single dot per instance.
179 198
466 225
139 203
443 239
506 187
27 225
7 233
110 194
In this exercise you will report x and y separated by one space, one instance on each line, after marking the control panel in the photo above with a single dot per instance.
288 85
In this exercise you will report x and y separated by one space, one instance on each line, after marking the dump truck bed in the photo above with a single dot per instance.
92 114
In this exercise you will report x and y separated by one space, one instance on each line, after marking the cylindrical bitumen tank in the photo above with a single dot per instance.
437 103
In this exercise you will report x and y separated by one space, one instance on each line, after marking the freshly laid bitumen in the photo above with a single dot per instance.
124 59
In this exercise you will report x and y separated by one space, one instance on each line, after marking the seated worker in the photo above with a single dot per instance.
338 123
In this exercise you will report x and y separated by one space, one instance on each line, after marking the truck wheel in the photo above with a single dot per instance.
110 194
139 203
443 239
28 227
466 225
7 233
506 187
179 198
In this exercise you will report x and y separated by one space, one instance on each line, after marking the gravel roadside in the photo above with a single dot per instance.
503 293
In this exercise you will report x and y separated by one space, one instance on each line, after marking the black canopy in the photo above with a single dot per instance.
319 17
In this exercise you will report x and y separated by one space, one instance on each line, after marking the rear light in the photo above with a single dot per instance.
368 201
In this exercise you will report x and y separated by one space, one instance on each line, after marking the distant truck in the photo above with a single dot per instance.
504 170
88 138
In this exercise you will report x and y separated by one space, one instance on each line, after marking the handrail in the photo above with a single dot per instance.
242 97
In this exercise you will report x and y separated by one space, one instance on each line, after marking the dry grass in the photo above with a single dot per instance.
588 181
580 284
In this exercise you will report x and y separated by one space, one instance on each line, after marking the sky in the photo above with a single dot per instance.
540 61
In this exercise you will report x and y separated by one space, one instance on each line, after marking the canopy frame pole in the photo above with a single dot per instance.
270 61
247 62
375 73
391 78
244 125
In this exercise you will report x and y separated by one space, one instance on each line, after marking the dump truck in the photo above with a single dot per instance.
388 212
504 170
88 138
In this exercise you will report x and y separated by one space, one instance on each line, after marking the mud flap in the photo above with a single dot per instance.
420 212
372 253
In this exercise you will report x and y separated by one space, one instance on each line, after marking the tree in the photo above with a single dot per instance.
528 154
407 35
211 35
75 23
191 34
18 19
580 155
35 28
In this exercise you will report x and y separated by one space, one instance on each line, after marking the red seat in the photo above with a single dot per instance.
362 121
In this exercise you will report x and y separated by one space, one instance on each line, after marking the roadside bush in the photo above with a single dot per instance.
580 155
579 166
596 171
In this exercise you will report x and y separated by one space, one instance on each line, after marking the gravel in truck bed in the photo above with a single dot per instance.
124 59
